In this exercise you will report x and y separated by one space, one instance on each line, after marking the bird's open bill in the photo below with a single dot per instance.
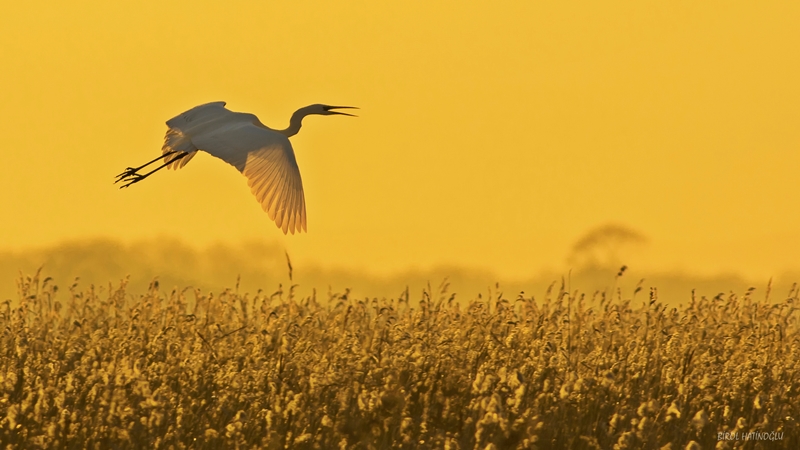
329 108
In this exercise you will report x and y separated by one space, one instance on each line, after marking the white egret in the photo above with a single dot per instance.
261 154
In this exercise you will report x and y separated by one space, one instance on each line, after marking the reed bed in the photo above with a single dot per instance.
186 369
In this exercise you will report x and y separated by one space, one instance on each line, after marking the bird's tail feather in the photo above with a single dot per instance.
175 140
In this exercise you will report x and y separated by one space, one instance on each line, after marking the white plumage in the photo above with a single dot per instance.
263 155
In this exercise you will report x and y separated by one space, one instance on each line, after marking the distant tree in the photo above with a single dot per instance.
604 246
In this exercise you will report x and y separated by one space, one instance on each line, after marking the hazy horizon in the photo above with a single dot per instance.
260 265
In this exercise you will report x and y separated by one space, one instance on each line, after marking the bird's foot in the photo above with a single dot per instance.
131 179
130 171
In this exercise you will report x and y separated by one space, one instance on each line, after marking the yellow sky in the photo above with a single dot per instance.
493 136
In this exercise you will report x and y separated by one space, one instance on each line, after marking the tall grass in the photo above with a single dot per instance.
185 369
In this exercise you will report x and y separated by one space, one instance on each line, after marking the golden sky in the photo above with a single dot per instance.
493 136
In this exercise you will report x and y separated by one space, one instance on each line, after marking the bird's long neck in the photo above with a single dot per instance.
295 122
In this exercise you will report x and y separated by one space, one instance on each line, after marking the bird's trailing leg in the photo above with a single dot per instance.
130 176
130 171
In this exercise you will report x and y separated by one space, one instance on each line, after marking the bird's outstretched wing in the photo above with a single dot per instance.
198 114
274 178
267 159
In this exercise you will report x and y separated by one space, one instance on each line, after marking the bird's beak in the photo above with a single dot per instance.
329 108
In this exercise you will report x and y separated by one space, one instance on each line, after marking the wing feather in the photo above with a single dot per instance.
279 203
269 192
272 185
265 186
288 208
295 222
299 219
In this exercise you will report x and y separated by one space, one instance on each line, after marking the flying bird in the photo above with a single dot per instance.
261 154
